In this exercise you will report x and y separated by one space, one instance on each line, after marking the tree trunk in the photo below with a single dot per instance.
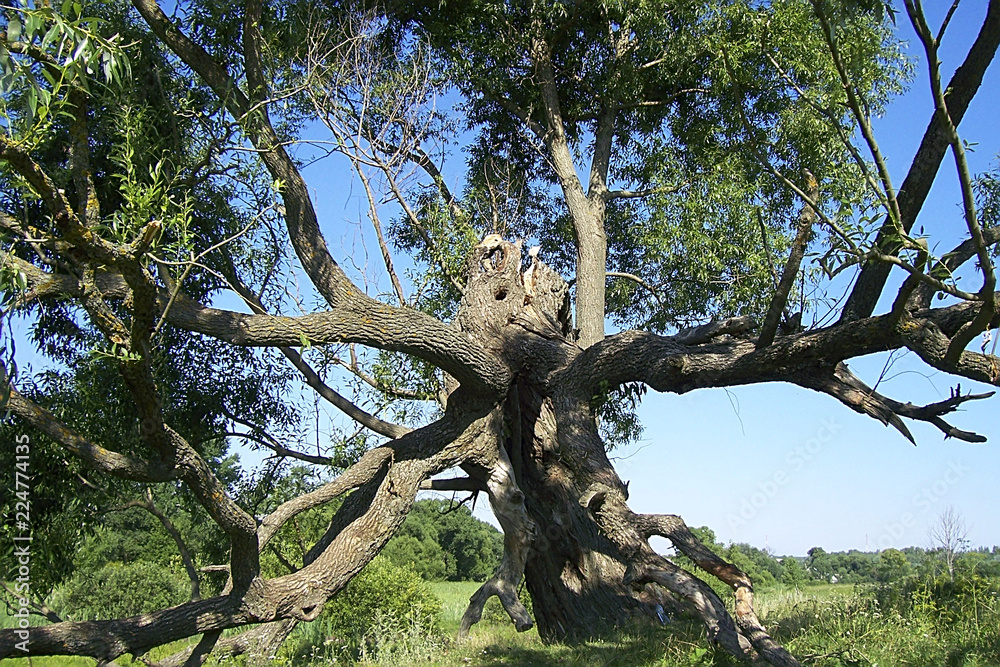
584 554
575 574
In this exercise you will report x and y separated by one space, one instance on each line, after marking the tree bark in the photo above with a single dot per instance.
586 563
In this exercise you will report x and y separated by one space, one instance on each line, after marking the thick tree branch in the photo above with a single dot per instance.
94 456
603 144
704 333
960 90
587 213
40 182
407 331
376 325
453 484
507 501
667 365
645 566
932 341
88 206
360 528
673 528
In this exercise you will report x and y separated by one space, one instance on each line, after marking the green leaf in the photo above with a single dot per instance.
50 36
32 102
14 29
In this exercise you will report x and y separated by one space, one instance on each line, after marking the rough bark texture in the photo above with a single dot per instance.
585 565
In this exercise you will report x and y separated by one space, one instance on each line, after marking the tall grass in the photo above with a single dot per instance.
911 622
914 622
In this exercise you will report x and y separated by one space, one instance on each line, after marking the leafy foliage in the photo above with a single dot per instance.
119 590
442 541
381 589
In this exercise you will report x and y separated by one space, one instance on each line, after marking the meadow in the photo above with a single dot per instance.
829 625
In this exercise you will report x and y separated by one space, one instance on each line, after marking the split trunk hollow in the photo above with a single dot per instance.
584 556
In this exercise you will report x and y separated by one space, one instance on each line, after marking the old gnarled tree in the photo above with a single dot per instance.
669 165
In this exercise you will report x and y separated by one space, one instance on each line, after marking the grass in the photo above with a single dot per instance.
826 626
681 642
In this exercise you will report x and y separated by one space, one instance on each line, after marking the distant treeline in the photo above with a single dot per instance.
442 541
852 567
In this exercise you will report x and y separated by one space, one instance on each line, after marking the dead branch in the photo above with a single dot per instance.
802 235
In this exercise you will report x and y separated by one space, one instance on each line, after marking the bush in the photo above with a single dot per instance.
118 590
360 619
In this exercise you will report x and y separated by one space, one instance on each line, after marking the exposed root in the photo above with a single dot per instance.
673 528
698 595
507 502
740 638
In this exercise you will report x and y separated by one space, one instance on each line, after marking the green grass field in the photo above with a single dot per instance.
678 643
825 625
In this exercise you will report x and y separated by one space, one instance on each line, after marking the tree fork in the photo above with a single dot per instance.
589 559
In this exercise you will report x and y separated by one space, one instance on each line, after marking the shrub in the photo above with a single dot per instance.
118 590
360 618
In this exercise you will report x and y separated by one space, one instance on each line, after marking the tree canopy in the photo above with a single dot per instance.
581 202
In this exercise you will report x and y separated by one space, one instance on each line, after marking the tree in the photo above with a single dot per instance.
443 541
950 535
820 564
892 565
722 153
792 573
